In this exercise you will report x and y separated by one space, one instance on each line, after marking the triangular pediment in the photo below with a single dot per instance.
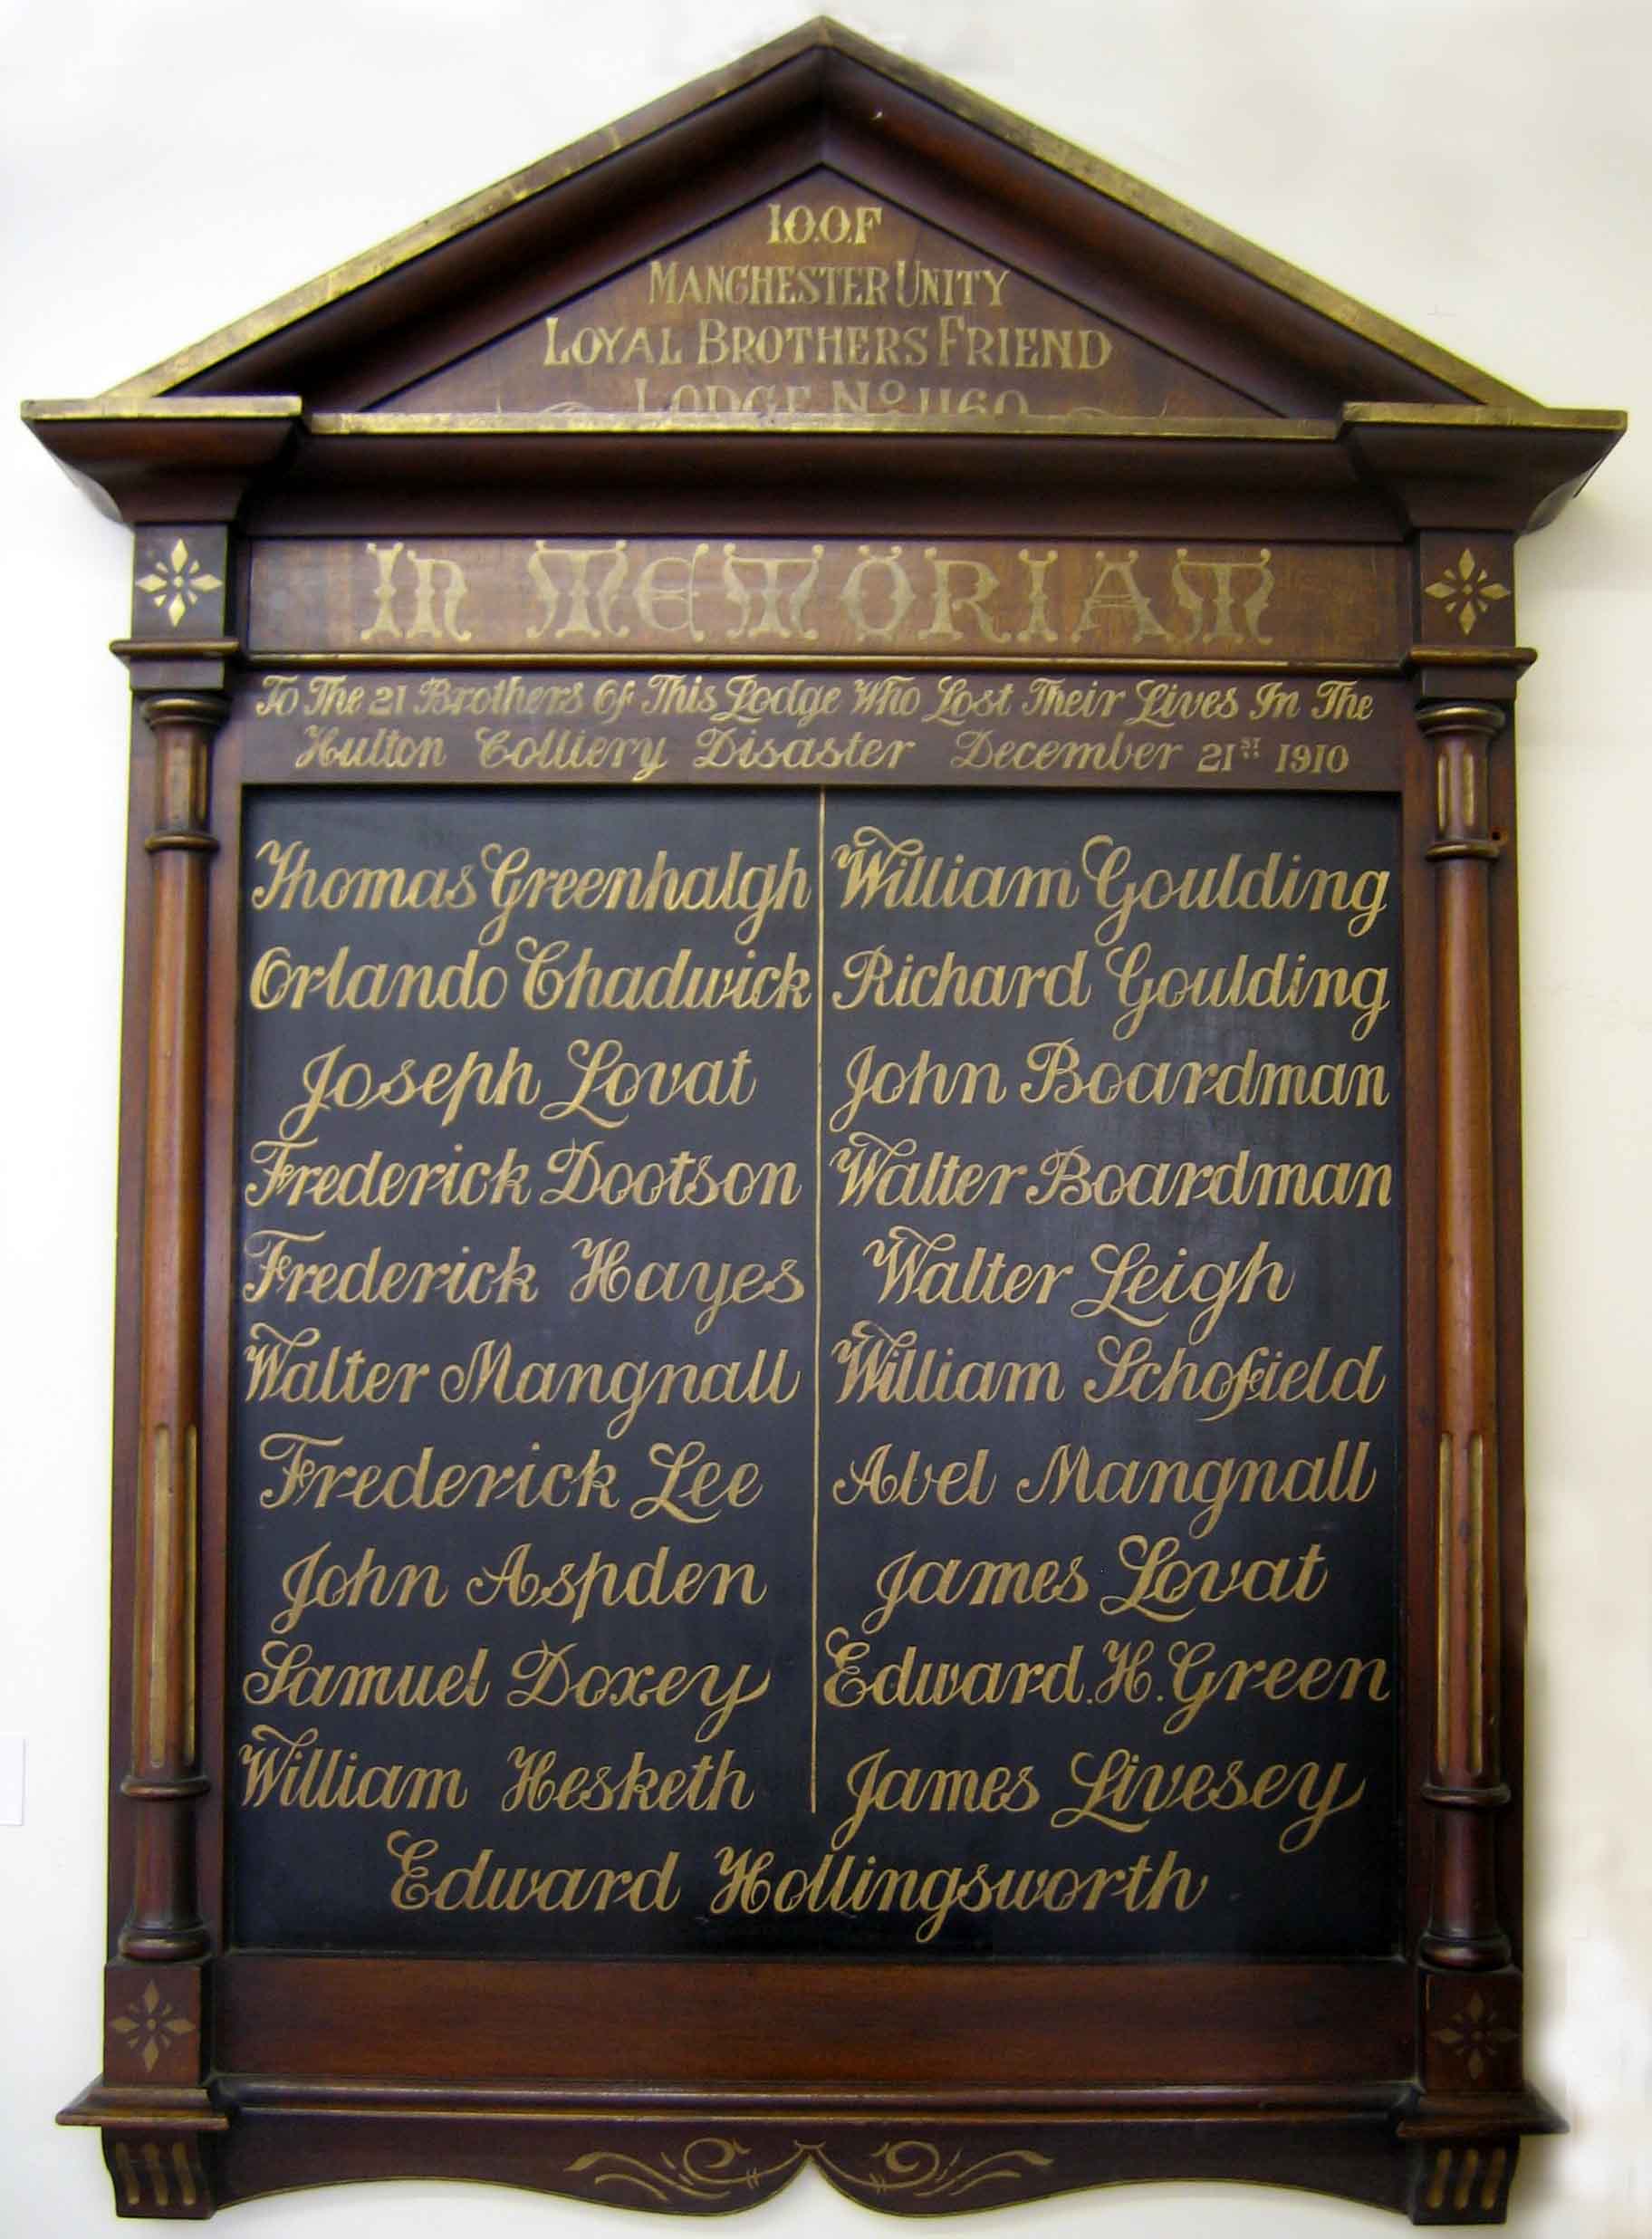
1197 323
824 298
826 243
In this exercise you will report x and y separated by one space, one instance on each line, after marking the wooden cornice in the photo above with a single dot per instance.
1387 469
190 435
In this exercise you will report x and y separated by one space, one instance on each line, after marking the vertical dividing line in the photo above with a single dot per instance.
190 1526
163 1494
820 1106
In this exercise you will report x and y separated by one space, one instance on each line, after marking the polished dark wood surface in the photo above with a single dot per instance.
349 415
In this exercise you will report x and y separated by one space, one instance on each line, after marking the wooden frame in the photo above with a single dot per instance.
267 472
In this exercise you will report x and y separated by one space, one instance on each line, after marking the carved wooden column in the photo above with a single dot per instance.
152 2102
1467 1786
162 1779
1465 2132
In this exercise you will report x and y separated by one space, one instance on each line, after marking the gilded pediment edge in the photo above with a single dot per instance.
1090 425
823 36
1191 226
433 233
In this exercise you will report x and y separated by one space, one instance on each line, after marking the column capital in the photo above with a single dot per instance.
1475 717
1463 732
201 711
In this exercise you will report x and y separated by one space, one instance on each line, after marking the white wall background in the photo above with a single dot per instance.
1479 170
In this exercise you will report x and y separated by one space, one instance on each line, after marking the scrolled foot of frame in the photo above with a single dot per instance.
1461 2152
1455 2182
166 2176
1436 2159
160 2145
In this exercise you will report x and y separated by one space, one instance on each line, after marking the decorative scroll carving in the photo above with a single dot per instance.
714 2172
917 2169
707 2171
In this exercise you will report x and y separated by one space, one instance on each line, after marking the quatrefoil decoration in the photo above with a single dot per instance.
1467 591
1477 2036
178 583
151 2026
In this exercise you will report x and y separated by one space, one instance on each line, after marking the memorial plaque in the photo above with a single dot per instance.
819 1386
